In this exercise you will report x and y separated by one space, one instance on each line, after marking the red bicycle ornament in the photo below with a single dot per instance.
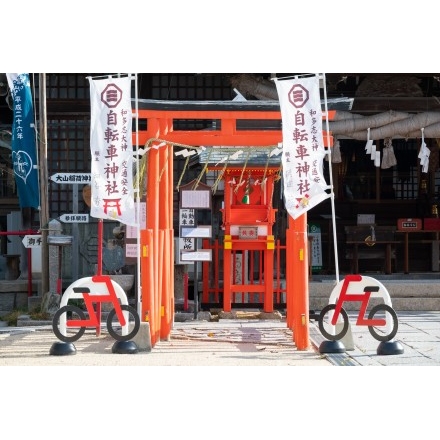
382 320
70 322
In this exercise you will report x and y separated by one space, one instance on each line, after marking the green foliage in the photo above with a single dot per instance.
36 314
11 317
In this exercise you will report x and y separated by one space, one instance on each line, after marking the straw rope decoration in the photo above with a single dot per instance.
166 163
182 173
143 169
265 169
220 176
140 178
196 183
240 182
279 174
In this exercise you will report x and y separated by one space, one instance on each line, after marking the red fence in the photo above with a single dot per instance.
248 269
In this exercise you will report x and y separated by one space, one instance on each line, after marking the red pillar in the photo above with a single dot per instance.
152 203
164 251
268 275
227 277
289 276
147 279
170 159
300 285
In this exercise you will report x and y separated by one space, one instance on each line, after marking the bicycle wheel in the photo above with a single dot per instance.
383 311
72 312
324 323
114 326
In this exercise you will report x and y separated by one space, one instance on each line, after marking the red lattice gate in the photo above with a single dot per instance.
248 277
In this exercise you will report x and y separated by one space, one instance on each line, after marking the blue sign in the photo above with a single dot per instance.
24 154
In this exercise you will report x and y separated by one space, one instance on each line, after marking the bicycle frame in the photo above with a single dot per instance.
356 297
90 300
98 285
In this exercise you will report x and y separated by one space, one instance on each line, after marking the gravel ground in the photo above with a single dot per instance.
224 343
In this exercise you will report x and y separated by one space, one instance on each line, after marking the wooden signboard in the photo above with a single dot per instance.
409 224
195 195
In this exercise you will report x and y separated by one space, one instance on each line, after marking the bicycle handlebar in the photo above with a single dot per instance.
81 290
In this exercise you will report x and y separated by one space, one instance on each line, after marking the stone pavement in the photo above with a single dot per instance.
418 333
228 342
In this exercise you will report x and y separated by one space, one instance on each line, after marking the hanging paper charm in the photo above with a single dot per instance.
424 155
388 159
336 152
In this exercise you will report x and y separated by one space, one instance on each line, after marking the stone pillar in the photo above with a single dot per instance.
55 228
179 272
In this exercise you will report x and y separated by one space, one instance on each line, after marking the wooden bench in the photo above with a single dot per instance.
14 294
360 246
421 237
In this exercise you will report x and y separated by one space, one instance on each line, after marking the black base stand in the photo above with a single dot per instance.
389 348
125 347
62 349
332 347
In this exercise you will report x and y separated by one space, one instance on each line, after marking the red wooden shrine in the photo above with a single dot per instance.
248 217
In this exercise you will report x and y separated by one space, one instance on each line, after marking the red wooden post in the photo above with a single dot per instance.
165 261
289 275
147 278
153 251
268 274
300 290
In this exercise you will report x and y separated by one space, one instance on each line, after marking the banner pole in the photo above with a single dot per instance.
138 203
332 194
43 179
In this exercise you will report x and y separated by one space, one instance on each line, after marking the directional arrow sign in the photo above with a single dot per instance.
32 241
74 218
72 178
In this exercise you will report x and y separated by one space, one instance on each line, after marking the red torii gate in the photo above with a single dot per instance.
244 124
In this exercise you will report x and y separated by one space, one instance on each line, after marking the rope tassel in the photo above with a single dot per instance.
247 191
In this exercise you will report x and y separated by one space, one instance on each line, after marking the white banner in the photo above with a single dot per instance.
303 144
112 150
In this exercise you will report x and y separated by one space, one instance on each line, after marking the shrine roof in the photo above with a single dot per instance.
238 156
341 103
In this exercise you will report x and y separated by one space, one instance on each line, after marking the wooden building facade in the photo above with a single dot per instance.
402 191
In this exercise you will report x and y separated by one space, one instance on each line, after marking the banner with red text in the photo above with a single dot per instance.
112 150
303 144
